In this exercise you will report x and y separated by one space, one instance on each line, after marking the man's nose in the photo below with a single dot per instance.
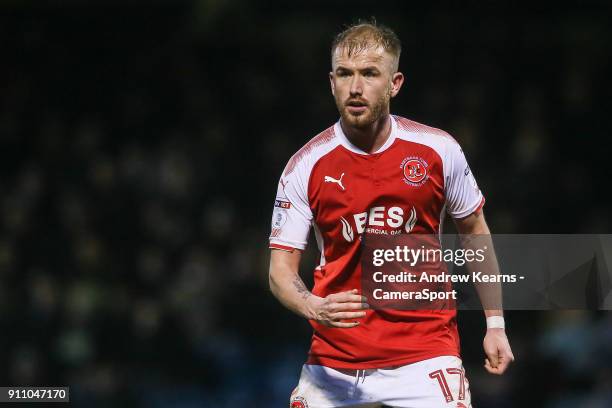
356 85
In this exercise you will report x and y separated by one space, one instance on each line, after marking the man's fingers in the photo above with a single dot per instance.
490 368
344 306
347 307
492 357
352 306
505 359
344 325
341 295
348 315
348 296
503 364
487 366
499 370
498 363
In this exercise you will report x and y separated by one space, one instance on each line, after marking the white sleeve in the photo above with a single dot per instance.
292 216
463 197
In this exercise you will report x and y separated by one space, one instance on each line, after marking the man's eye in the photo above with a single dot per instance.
343 74
369 74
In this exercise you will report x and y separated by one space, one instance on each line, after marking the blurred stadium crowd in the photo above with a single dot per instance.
140 151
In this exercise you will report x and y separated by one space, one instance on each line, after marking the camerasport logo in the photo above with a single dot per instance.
415 171
298 402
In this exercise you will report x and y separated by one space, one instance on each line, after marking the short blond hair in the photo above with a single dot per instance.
359 37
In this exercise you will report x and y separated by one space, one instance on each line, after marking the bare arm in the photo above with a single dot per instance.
287 286
285 282
474 233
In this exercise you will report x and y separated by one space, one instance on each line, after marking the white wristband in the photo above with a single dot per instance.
495 322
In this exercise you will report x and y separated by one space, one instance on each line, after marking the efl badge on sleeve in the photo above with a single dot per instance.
279 217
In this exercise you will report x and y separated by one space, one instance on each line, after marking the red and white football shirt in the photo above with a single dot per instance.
330 184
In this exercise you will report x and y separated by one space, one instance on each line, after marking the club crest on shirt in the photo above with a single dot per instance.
415 171
298 402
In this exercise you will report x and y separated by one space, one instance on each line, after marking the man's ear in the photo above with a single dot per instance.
397 80
331 82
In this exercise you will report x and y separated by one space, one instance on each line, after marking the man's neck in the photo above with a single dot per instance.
371 138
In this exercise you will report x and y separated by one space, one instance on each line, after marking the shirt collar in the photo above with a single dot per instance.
347 143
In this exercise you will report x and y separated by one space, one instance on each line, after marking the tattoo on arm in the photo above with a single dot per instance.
301 288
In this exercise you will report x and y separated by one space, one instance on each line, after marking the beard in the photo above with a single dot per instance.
364 119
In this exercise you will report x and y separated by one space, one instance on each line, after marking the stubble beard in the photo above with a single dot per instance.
370 116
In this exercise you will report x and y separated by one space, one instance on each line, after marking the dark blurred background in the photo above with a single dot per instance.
140 149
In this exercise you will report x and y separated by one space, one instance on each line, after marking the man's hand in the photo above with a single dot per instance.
289 289
498 351
333 309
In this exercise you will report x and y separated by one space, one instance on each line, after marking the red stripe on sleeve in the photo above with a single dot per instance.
282 247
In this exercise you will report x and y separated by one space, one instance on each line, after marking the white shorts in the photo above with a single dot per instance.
437 382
